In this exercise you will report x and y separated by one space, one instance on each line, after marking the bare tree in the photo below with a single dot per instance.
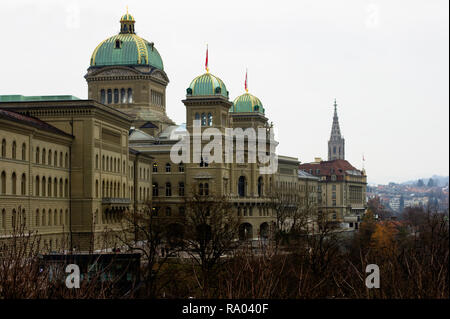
211 232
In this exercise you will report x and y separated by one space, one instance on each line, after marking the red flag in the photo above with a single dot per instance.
246 89
206 62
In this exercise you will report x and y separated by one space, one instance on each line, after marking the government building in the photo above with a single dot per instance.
70 168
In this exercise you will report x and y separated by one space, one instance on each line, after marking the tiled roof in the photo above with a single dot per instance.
327 168
31 121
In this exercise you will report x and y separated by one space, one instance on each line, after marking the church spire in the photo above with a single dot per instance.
336 144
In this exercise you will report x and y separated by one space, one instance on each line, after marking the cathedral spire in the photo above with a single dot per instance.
336 144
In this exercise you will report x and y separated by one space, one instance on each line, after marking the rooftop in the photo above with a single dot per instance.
31 121
22 98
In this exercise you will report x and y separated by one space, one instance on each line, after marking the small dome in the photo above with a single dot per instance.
247 103
206 85
127 17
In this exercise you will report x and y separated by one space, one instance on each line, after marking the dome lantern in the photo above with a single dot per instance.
127 23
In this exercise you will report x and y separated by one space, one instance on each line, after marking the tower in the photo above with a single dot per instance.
336 144
127 73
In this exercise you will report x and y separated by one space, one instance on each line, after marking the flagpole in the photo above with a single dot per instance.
206 62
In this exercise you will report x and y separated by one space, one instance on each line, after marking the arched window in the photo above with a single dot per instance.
24 152
55 159
55 187
13 218
123 96
43 156
197 116
168 189
66 161
50 217
38 221
210 119
14 150
37 155
203 119
3 182
260 186
102 96
14 184
109 96
155 189
3 218
96 161
130 95
206 189
43 221
181 189
167 167
181 167
49 192
96 188
23 183
3 148
116 96
155 167
103 162
37 183
241 186
66 188
61 194
49 157
60 159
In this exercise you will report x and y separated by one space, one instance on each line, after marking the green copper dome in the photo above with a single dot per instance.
207 84
126 48
247 103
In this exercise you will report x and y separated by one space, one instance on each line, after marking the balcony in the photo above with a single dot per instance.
115 201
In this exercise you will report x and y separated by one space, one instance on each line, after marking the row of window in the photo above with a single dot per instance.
13 150
242 186
45 187
51 158
51 218
168 189
205 119
168 168
111 189
3 183
248 211
42 218
115 96
110 164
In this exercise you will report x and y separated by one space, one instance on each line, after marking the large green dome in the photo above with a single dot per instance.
206 85
247 103
126 48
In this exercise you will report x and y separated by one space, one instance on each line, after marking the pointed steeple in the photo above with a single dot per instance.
335 129
336 144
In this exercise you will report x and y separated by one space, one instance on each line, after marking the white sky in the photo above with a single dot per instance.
386 62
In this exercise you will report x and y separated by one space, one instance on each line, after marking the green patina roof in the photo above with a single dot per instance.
133 51
21 98
207 84
247 103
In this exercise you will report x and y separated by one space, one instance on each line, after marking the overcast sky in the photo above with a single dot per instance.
386 63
